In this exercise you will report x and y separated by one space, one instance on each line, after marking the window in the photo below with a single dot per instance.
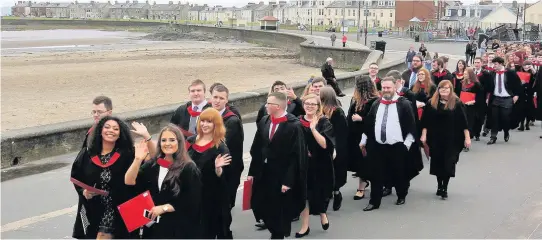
381 3
374 14
348 3
349 12
391 24
391 3
381 14
459 12
391 14
448 13
336 12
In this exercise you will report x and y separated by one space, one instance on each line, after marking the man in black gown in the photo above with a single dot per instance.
186 116
504 87
234 141
278 168
389 133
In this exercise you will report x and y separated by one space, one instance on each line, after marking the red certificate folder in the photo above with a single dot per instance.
524 77
535 99
420 113
247 195
88 188
133 211
467 97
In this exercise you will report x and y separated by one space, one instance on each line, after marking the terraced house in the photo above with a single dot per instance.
92 10
170 11
127 10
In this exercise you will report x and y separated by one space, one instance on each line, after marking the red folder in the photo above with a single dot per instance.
132 211
524 76
186 133
88 188
420 113
467 97
247 195
535 99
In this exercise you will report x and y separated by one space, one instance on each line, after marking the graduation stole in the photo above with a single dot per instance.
192 112
459 75
490 69
388 102
164 163
90 129
439 74
480 73
467 87
199 148
276 121
500 72
96 160
289 102
304 122
377 80
228 114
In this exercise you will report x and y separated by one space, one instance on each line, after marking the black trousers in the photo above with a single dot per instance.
334 85
391 170
501 110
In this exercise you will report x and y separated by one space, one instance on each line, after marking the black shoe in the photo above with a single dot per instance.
261 226
439 192
527 127
521 129
506 137
492 141
477 139
300 235
484 134
337 201
386 192
341 95
466 149
326 225
444 195
400 201
370 207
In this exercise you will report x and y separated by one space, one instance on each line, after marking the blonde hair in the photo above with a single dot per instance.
219 131
319 111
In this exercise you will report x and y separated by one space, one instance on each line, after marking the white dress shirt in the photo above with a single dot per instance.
161 176
394 133
503 93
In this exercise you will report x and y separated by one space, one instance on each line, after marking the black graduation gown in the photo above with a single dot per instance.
445 137
356 160
185 221
378 84
181 116
537 87
473 111
215 198
457 81
414 156
437 76
234 141
85 170
513 84
277 162
320 179
295 107
235 110
422 96
376 168
340 163
528 110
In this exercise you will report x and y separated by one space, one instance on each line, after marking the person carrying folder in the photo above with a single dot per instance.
473 96
445 131
208 150
109 155
174 182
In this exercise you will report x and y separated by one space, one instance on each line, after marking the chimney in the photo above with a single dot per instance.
116 2
147 2
261 3
282 2
109 2
91 2
515 4
250 3
272 3
170 2
127 1
135 1
76 2
154 3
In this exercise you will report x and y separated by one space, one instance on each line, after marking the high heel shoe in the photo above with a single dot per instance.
326 225
300 235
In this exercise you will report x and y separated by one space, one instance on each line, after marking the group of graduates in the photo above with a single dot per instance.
301 153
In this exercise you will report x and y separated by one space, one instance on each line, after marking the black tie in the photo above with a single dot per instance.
500 83
383 128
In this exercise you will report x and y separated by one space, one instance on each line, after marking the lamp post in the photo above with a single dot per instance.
311 20
366 13
344 12
524 14
359 17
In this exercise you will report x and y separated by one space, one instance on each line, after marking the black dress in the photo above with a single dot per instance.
106 172
215 200
320 166
445 137
184 222
340 163
473 111
355 130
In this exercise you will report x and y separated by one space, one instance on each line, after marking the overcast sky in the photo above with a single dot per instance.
226 3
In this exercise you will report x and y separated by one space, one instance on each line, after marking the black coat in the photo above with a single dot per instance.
537 87
512 84
356 160
234 141
340 163
185 221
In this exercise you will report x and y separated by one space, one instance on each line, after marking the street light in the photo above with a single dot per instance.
366 13
344 12
359 16
311 21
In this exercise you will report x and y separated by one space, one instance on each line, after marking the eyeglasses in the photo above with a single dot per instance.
94 112
444 87
311 104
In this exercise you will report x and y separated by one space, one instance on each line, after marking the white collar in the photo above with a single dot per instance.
222 111
200 106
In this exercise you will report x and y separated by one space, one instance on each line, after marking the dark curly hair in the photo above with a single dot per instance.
365 90
123 143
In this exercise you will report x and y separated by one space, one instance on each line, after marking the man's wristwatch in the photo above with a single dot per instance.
165 208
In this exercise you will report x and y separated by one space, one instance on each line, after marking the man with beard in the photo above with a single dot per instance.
389 133
278 168
329 75
410 75
186 116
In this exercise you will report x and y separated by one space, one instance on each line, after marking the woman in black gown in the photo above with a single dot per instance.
103 165
331 107
473 108
526 109
318 133
365 94
173 180
423 90
444 129
208 150
458 76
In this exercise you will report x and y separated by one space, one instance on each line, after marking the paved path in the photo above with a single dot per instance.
497 194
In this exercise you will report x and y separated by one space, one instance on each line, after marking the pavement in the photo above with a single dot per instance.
497 193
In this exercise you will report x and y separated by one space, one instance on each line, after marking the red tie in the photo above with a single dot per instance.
275 122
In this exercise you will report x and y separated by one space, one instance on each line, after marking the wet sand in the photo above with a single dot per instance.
44 84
